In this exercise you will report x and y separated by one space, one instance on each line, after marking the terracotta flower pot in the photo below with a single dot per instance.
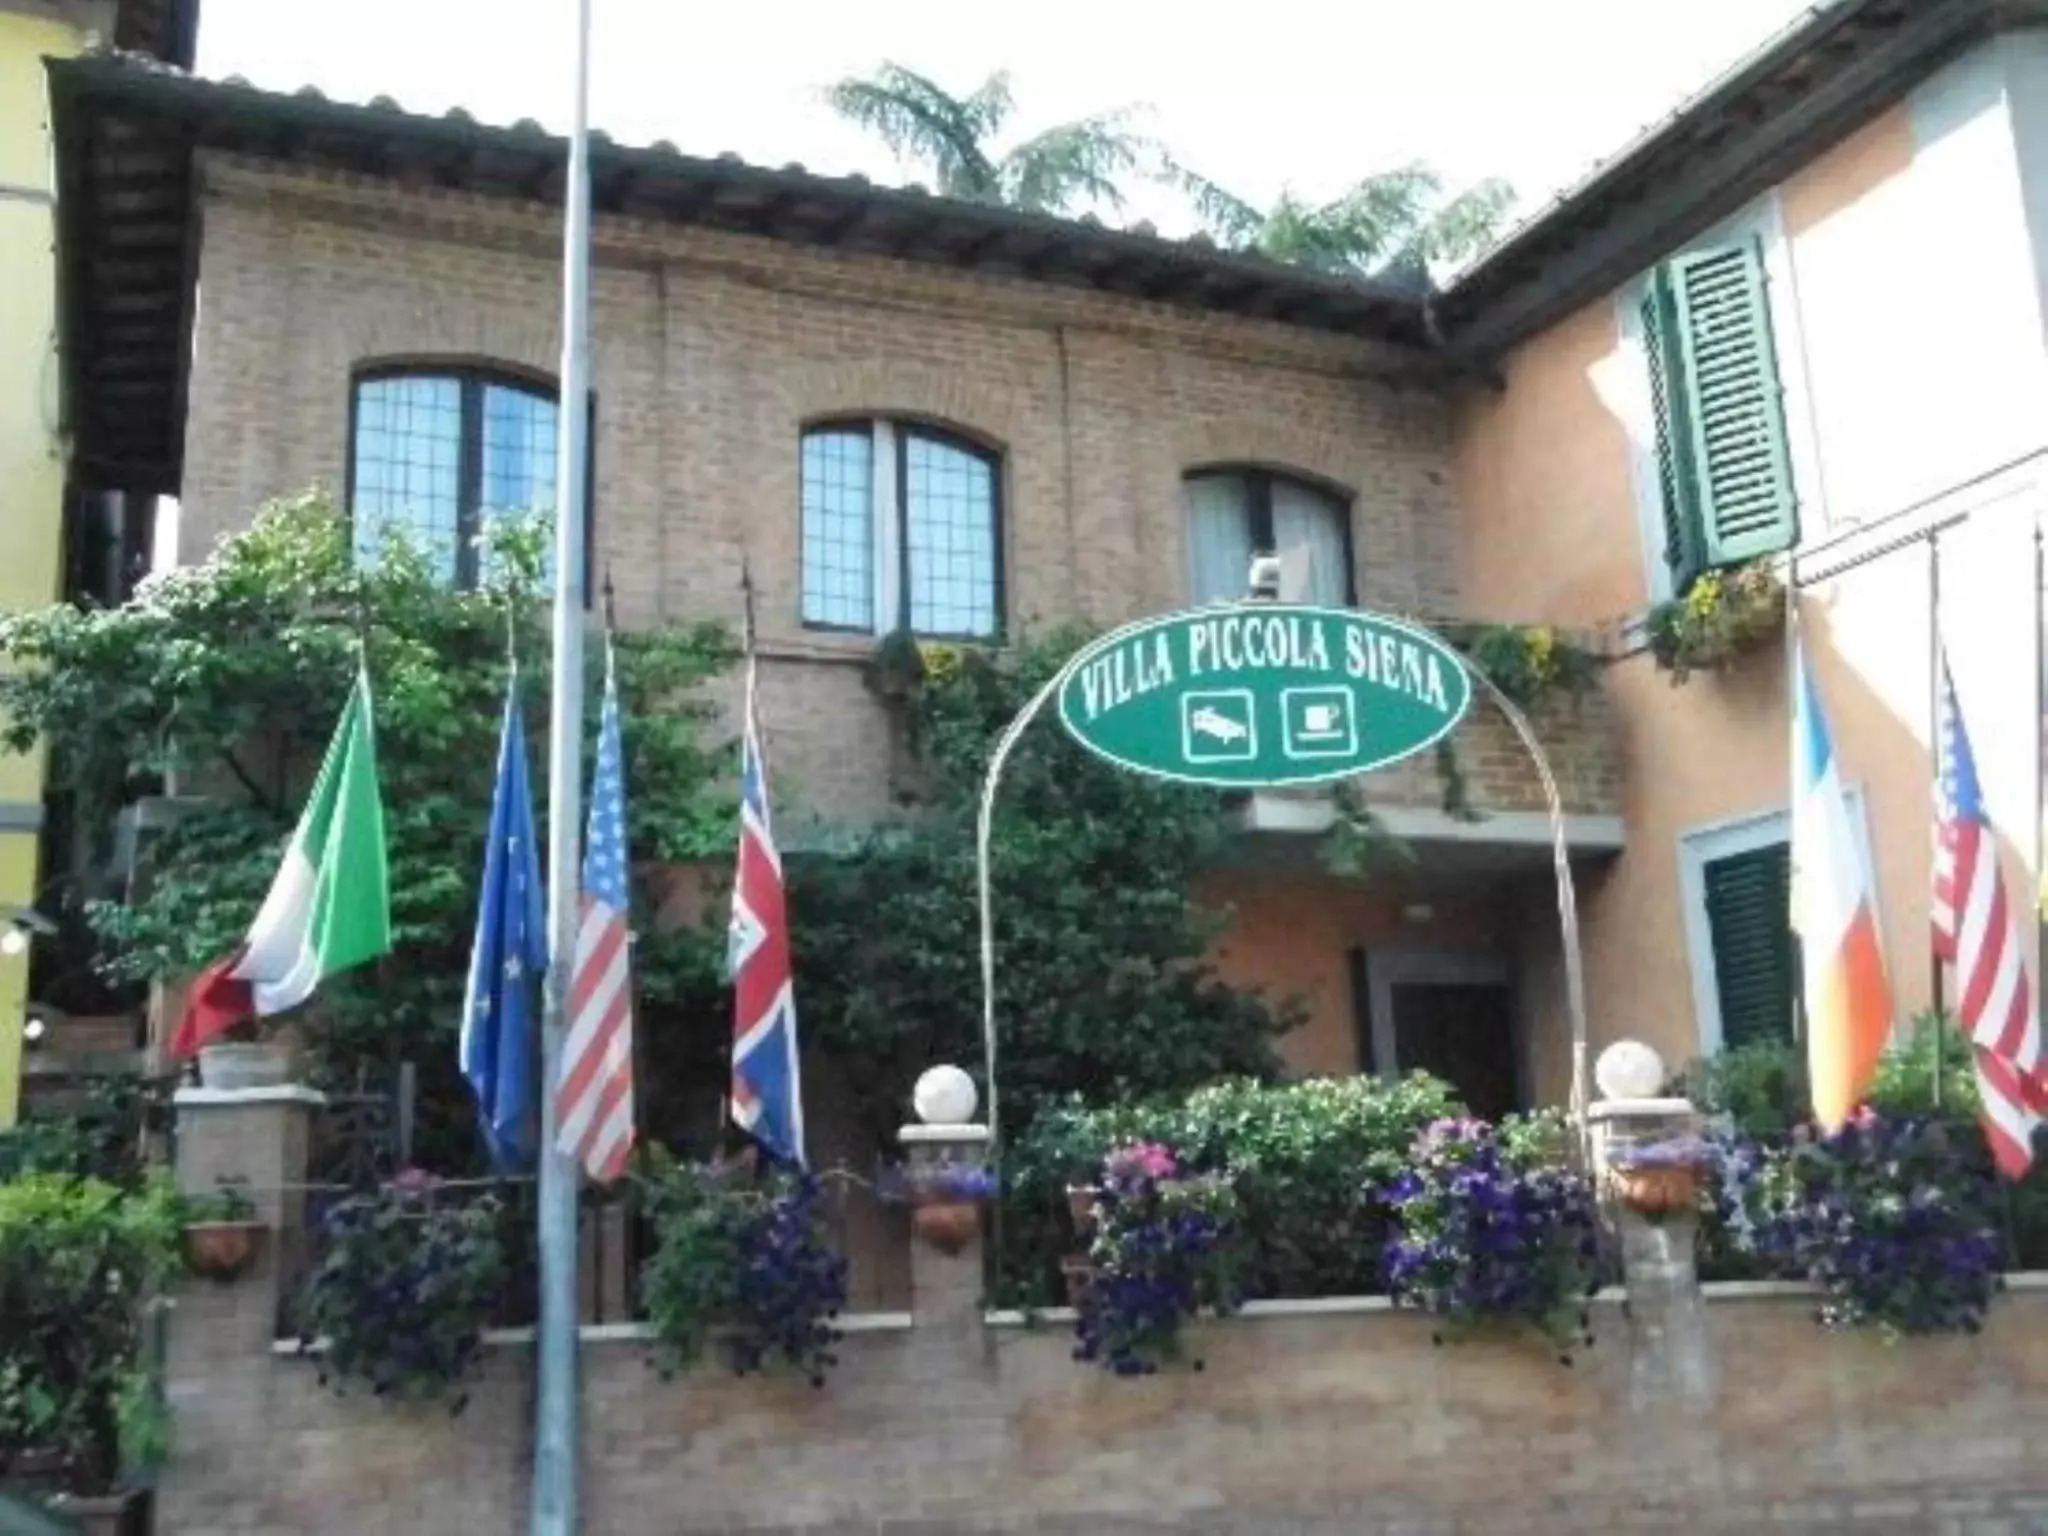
1081 1200
1078 1270
222 1250
1656 1191
947 1225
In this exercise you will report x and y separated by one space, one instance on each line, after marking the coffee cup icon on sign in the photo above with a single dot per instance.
1321 720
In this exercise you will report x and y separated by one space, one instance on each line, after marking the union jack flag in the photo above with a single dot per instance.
594 1103
1976 930
767 1092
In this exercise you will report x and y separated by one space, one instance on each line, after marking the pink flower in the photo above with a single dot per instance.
1143 1159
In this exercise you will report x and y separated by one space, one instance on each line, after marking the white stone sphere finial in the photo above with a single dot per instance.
1629 1069
945 1096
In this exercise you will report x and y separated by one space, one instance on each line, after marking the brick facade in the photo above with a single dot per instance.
711 352
1328 1425
1326 1417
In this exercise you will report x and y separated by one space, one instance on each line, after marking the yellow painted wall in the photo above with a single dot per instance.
1548 485
31 466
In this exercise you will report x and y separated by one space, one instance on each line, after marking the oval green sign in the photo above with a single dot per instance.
1247 695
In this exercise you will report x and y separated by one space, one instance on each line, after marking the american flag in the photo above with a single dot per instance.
1976 930
594 1105
767 1093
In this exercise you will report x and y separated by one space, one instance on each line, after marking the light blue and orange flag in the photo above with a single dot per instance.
1834 911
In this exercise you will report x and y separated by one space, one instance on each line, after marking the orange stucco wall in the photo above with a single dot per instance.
1547 479
1291 934
1545 485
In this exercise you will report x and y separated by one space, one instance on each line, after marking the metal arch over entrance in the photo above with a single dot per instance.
1260 694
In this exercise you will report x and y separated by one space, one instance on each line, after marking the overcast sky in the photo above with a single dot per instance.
1259 96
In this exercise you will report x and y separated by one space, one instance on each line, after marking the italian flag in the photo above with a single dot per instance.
329 907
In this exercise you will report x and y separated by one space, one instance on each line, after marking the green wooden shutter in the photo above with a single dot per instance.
1675 478
1735 416
1749 915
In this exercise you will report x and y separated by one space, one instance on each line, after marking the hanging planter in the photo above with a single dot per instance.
222 1250
1528 662
1655 1192
1721 616
222 1234
946 1201
949 1225
895 669
1659 1179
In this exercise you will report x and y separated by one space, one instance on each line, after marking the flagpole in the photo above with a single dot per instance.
1934 757
1794 659
746 716
2040 849
555 1506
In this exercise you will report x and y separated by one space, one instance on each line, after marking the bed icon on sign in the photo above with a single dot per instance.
1218 726
1318 722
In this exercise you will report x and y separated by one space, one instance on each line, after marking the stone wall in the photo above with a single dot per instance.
1326 1417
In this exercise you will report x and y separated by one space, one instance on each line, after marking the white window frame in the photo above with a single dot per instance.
1764 222
1711 841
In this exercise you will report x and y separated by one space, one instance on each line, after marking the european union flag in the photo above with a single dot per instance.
498 1045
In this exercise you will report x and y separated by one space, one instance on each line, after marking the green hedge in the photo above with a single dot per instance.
79 1258
1308 1160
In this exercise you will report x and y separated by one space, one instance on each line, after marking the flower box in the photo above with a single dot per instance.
222 1250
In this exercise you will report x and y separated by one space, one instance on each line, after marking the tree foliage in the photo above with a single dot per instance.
1069 166
1396 222
225 679
1102 982
79 1259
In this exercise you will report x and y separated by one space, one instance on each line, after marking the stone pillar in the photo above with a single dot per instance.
260 1138
1647 1154
945 1288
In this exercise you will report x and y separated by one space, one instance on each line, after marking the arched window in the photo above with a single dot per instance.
901 528
439 451
1234 514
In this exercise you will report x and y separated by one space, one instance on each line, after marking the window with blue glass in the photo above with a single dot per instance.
437 454
900 528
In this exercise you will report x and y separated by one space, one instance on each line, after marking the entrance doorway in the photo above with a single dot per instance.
1452 1016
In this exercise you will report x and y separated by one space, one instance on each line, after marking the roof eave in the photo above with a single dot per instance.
151 122
1615 226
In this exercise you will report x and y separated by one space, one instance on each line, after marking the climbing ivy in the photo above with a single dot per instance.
1103 985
